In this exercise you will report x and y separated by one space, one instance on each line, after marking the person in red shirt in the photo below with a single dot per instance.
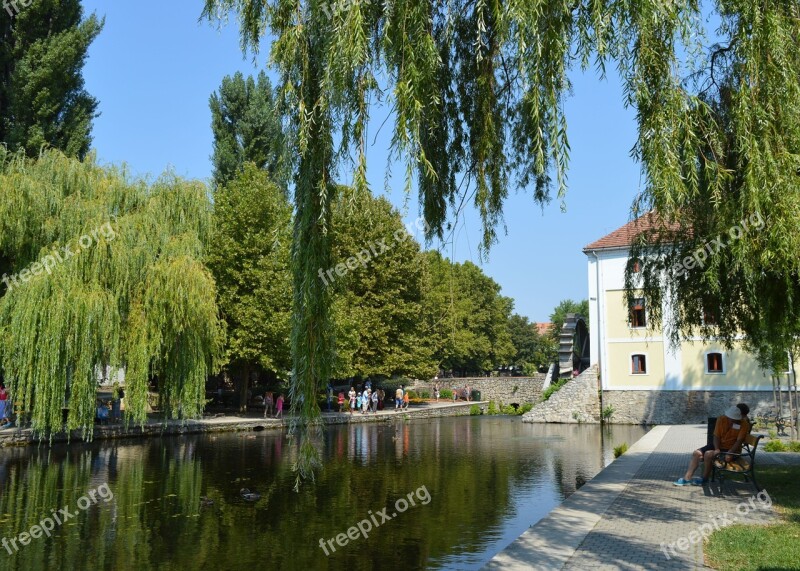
729 434
3 404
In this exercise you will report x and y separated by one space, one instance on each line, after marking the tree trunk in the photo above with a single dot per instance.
244 384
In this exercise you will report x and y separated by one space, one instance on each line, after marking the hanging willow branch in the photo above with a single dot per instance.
134 296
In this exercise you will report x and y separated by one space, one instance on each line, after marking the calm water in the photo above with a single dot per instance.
476 484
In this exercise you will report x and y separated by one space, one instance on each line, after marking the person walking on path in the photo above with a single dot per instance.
330 395
3 404
352 396
341 401
405 400
365 399
279 406
729 434
375 402
268 404
398 398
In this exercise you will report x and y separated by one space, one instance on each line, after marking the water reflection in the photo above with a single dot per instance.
488 479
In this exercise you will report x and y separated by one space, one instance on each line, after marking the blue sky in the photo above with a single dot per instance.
155 65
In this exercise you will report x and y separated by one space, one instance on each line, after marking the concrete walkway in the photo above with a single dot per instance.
631 517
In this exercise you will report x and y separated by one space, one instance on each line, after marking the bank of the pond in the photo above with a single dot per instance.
226 423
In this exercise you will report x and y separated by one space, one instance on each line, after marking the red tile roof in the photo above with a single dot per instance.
624 236
543 328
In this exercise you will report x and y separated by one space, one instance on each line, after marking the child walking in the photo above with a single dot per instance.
279 406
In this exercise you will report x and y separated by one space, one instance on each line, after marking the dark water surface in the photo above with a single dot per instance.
475 483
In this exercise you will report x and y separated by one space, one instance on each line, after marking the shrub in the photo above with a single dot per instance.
607 413
508 409
527 407
475 410
425 394
412 394
773 434
775 446
794 446
553 388
492 408
620 450
445 394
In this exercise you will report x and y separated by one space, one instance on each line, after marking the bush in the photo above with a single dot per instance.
508 409
775 446
492 408
607 413
412 394
445 394
794 446
527 407
425 394
475 410
620 450
548 392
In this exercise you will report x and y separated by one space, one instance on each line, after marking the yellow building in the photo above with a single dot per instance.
642 375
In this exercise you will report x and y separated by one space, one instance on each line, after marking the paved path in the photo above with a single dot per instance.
631 517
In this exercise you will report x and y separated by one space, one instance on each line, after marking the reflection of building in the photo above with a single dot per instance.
642 376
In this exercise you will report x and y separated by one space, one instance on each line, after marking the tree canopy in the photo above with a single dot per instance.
247 127
43 103
103 273
249 257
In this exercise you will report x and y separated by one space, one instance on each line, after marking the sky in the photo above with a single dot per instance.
154 66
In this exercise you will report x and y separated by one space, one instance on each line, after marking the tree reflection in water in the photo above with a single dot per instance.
489 479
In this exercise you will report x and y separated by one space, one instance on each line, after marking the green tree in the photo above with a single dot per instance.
247 127
105 274
43 103
378 304
531 348
467 317
249 257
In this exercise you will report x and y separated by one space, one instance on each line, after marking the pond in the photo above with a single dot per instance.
444 493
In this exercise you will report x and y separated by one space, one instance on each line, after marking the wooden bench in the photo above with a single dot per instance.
742 464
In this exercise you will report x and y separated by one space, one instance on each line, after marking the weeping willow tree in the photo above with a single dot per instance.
477 92
103 273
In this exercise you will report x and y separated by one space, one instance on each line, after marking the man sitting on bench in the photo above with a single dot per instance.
729 433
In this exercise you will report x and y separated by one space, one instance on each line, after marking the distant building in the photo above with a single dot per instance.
543 328
642 376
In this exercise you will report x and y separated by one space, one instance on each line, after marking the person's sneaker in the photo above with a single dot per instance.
698 481
682 482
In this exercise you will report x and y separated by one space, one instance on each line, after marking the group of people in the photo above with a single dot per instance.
366 400
271 406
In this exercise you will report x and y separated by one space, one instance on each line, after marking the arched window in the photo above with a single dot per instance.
638 364
715 362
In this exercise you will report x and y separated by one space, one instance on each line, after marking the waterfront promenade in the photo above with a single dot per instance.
631 516
156 426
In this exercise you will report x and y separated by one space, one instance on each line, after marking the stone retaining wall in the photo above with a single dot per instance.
679 407
577 401
25 436
502 390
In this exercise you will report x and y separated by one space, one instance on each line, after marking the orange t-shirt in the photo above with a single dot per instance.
729 431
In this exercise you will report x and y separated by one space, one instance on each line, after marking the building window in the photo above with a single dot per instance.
714 363
636 266
637 313
710 313
638 365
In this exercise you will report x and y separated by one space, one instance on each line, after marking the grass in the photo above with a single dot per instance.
620 450
776 546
